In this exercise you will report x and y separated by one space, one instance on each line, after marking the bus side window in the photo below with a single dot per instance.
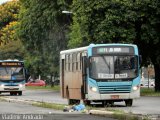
77 61
66 62
74 62
71 61
80 58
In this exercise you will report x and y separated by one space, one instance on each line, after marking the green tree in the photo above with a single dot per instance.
12 50
10 46
121 21
75 35
9 12
8 33
43 30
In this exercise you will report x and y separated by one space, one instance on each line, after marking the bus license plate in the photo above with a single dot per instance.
114 96
11 88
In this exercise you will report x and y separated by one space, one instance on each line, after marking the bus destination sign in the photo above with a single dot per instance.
11 64
113 49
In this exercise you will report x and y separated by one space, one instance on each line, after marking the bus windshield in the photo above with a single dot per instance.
12 73
113 67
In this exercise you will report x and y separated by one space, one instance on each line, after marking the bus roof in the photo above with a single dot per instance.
11 60
94 45
74 50
113 44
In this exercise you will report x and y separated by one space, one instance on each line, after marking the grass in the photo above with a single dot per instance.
120 114
55 88
129 116
49 105
149 92
144 91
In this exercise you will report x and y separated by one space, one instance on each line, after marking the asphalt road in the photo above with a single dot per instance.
16 108
40 95
16 111
143 105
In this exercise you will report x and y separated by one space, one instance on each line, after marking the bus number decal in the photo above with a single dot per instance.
124 75
102 75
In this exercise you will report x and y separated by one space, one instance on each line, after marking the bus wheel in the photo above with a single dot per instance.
129 102
106 103
11 93
20 93
70 102
111 103
87 102
73 101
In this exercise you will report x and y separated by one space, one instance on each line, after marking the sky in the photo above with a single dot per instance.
2 1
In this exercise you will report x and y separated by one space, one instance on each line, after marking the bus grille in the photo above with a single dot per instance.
11 85
115 89
11 88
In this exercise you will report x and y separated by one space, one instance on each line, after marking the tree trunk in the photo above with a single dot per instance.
157 77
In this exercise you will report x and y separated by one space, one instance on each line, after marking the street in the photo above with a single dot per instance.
21 111
40 95
143 105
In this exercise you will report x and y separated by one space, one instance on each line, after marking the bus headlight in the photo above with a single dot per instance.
20 85
135 88
94 89
2 85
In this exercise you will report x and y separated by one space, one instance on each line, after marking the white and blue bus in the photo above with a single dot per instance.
104 73
12 76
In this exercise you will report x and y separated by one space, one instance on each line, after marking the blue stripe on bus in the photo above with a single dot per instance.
117 44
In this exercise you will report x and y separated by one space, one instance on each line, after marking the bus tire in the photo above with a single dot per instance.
70 102
107 103
11 93
20 93
129 102
67 92
87 102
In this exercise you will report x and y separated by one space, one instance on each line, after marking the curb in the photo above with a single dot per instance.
18 100
100 112
91 112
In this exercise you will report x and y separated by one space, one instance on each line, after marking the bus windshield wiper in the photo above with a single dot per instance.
6 70
108 65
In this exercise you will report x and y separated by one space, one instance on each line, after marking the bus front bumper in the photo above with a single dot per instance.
4 88
112 96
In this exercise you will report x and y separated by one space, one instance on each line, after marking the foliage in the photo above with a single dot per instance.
55 88
149 92
12 50
121 21
75 34
42 30
10 46
110 21
8 33
9 12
